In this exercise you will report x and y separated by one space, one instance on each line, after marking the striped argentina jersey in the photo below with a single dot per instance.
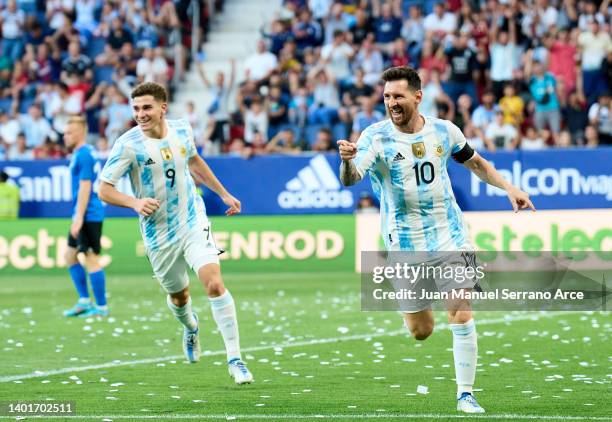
158 168
409 176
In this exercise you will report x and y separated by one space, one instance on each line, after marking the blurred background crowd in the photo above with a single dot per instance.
531 74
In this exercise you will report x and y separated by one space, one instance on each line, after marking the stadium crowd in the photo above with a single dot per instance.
64 57
532 74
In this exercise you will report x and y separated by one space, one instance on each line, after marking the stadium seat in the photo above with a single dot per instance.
95 46
25 104
103 73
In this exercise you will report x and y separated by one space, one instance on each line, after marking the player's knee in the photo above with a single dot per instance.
92 263
71 257
421 332
179 299
215 288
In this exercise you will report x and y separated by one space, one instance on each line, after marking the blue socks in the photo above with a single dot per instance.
79 278
98 286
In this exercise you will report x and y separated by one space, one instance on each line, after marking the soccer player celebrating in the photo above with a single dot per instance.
160 157
86 229
406 158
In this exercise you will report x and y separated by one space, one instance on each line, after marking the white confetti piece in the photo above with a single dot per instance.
421 389
111 398
117 384
259 404
343 330
176 397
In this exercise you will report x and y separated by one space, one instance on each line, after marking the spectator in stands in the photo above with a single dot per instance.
433 94
502 135
361 28
594 44
432 57
464 110
562 62
278 36
413 31
9 129
326 102
283 143
307 32
12 21
512 105
366 204
440 23
116 114
218 111
462 61
399 53
323 141
365 117
502 49
575 117
336 22
600 117
387 24
542 86
336 57
260 65
76 63
370 60
255 120
299 106
473 138
19 150
484 113
36 128
532 140
565 140
277 107
591 137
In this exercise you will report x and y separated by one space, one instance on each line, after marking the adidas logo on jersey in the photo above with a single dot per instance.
315 186
149 162
398 157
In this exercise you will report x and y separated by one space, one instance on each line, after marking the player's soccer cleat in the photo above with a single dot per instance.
79 309
95 312
467 404
238 370
191 343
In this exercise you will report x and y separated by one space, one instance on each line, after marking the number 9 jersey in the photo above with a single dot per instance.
159 169
409 176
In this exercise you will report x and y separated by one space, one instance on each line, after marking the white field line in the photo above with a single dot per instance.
270 417
117 363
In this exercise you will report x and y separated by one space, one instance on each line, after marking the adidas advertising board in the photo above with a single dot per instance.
315 186
309 184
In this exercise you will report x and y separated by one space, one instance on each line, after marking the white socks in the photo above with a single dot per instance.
184 314
224 313
465 351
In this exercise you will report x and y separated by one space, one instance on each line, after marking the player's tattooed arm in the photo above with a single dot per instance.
488 174
348 171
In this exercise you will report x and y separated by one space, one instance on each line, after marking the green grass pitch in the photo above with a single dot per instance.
314 355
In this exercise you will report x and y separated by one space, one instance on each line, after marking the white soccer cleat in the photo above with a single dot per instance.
467 404
191 343
238 370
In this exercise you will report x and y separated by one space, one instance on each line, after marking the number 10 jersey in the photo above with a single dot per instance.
409 176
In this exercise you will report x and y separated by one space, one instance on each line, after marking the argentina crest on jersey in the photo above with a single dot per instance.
166 153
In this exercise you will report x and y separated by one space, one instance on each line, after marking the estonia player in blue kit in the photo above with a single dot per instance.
405 157
160 157
86 229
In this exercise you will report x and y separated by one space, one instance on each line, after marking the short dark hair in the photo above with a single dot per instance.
406 73
151 88
3 176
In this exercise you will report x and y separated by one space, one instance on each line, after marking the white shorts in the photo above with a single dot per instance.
196 249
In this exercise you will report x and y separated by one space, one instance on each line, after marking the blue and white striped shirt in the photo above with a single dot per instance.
158 168
410 178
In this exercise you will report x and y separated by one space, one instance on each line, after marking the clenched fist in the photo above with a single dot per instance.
348 150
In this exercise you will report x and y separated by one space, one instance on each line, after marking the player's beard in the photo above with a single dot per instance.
400 119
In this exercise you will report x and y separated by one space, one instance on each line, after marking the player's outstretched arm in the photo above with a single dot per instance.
143 206
348 171
204 175
488 174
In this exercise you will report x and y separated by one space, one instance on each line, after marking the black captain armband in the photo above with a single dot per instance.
463 154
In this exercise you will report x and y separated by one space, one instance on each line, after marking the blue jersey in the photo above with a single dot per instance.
84 165
410 178
159 169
